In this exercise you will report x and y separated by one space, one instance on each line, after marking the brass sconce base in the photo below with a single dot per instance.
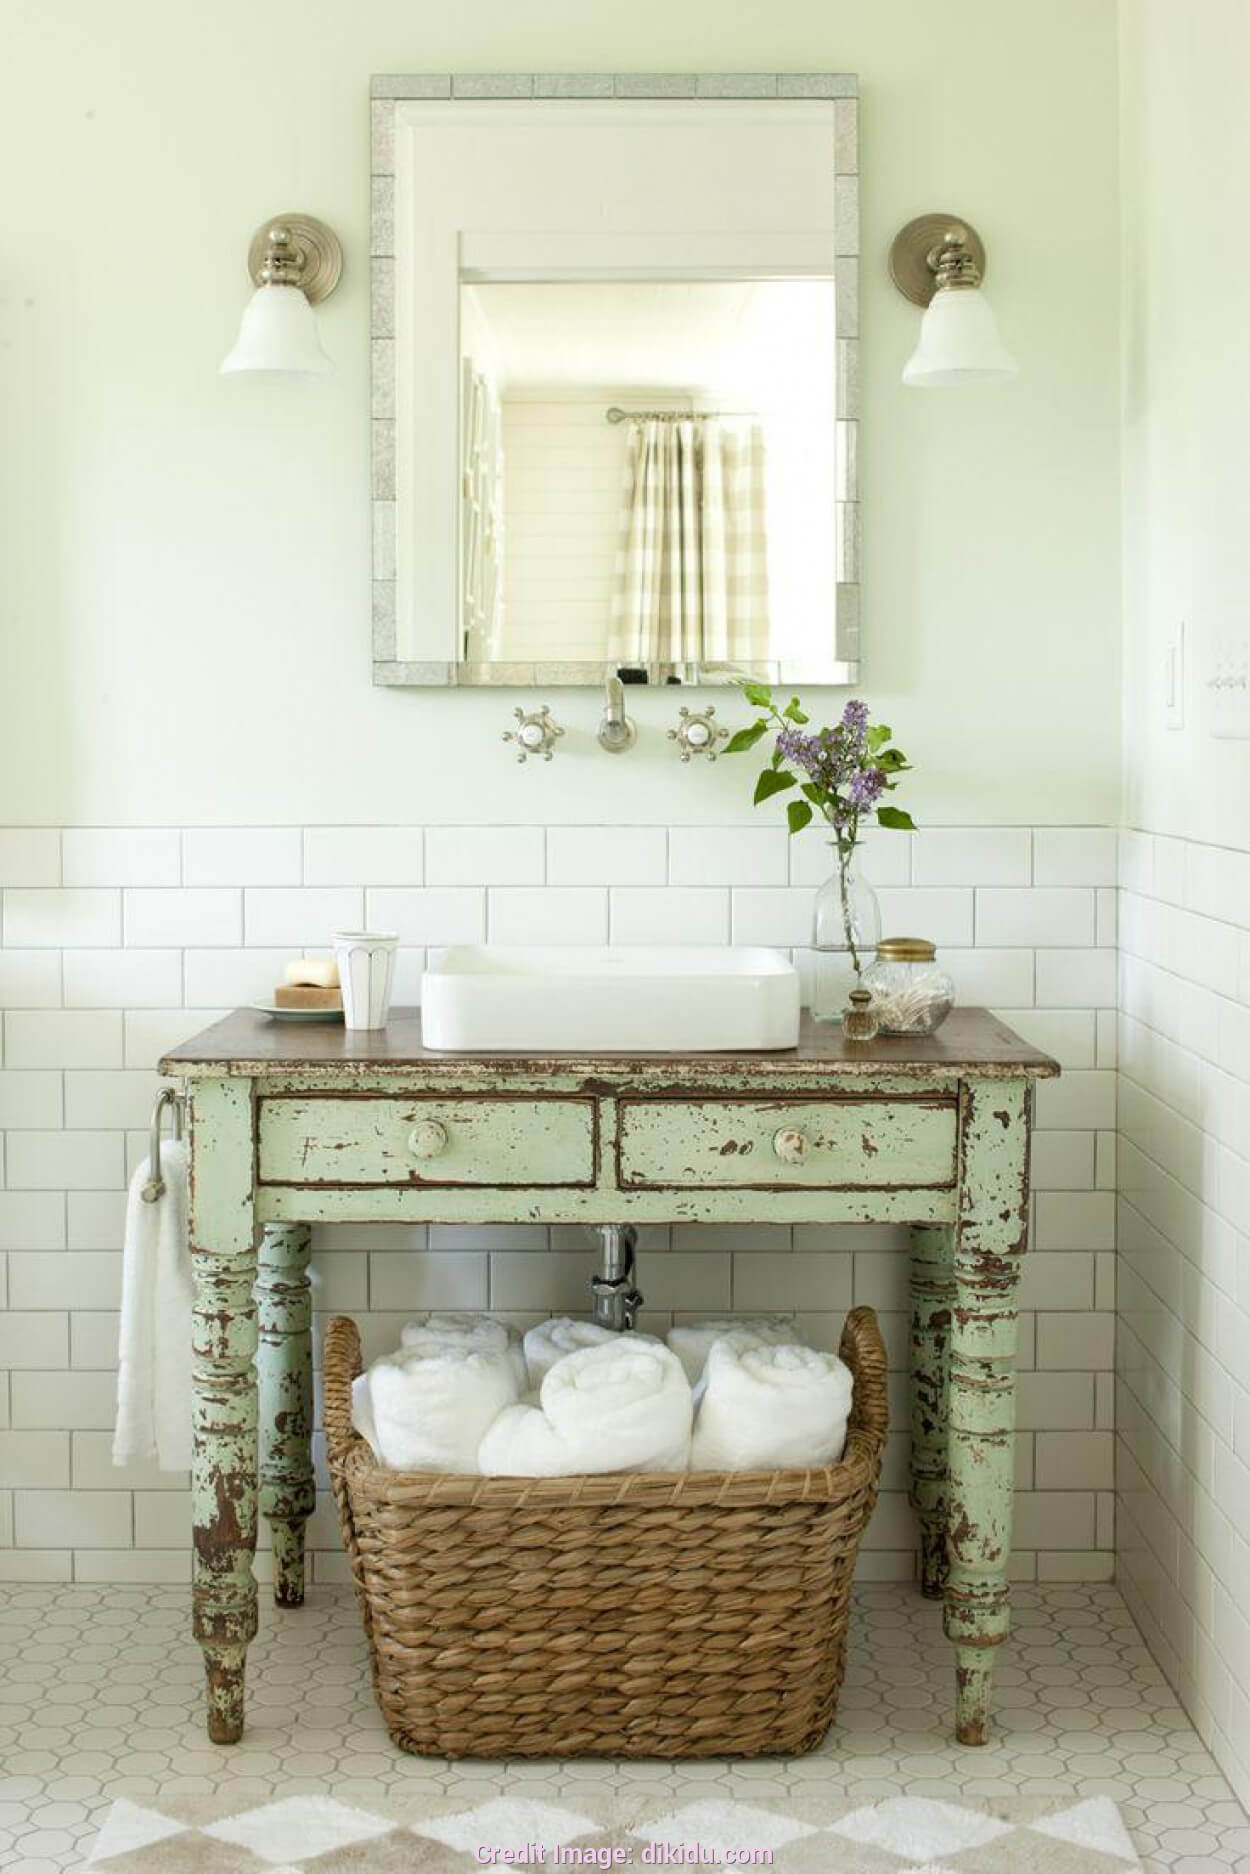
910 266
310 239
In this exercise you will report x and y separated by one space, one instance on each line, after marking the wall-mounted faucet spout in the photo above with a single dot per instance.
617 1301
616 731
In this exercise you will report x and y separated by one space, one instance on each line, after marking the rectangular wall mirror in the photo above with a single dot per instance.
615 336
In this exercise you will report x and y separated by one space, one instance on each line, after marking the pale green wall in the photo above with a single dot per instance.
185 560
1186 285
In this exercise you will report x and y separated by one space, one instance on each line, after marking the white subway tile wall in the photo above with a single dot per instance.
1183 1295
119 942
364 855
30 856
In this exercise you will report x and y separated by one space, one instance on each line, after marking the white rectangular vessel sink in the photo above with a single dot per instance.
621 999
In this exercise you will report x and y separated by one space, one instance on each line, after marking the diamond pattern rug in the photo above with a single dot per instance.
823 1835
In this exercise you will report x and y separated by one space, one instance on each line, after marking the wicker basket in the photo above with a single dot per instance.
635 1615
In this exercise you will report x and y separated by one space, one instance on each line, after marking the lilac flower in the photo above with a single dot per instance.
802 750
855 718
864 788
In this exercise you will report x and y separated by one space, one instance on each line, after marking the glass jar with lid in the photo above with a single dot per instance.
912 994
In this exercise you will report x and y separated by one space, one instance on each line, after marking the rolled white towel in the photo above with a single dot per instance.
619 1407
551 1340
768 1408
523 1442
363 1420
479 1332
693 1342
427 1407
482 1329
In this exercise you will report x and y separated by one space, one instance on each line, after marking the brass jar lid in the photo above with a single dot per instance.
906 950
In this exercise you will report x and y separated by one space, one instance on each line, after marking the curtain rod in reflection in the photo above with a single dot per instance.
616 415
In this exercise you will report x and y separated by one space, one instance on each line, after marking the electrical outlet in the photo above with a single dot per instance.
1228 687
1174 679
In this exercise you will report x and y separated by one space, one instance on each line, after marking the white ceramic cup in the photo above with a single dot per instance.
366 961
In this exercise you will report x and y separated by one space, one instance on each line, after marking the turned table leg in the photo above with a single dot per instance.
932 1303
288 1494
223 1379
990 1237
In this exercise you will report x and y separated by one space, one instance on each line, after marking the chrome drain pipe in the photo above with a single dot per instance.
617 1301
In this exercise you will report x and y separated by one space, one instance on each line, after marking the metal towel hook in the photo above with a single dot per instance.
155 1186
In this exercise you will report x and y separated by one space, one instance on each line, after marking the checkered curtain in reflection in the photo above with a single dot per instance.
692 567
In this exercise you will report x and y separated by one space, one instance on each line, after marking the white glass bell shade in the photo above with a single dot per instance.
959 343
278 333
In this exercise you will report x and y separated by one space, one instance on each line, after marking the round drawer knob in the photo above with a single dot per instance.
427 1139
530 735
791 1144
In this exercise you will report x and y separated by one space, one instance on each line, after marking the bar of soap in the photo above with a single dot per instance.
312 973
307 996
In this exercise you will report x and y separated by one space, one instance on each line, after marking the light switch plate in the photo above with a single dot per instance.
1174 678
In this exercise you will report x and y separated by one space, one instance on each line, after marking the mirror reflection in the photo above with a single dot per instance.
649 475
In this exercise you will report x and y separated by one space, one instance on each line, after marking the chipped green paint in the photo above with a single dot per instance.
604 1203
223 1389
786 1143
991 1234
280 1144
932 1304
427 1142
288 1493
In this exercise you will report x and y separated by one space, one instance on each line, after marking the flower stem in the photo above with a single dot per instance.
847 842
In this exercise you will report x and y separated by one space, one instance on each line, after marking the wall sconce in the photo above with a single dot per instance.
938 262
295 262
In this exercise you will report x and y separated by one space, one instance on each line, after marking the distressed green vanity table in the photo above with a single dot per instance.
298 1125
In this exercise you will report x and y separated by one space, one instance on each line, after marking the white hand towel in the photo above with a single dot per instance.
623 1407
427 1407
693 1342
768 1408
154 1339
551 1340
477 1331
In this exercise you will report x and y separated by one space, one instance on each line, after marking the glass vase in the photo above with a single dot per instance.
845 937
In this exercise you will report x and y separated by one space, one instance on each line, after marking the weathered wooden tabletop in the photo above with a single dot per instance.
252 1044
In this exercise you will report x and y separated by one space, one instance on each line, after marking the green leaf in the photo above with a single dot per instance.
745 738
891 761
758 693
896 818
815 794
771 783
798 813
877 737
793 711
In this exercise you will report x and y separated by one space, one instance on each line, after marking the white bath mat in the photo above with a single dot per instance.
905 1835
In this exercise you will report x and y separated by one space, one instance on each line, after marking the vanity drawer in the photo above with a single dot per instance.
369 1139
830 1144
